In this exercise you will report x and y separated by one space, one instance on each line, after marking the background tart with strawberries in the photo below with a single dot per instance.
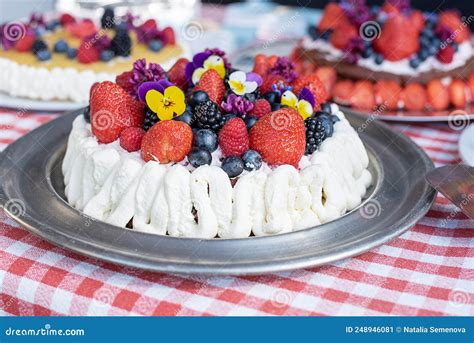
207 151
65 55
390 58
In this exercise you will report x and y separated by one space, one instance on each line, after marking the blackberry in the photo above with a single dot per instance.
315 135
150 119
87 114
108 19
38 45
208 116
121 44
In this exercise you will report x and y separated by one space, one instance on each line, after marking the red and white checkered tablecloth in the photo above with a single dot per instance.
427 271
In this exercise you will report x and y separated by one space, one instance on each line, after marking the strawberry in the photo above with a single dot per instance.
438 95
328 77
131 138
25 44
363 95
314 84
445 55
417 19
470 84
342 92
457 93
269 81
66 19
112 110
387 94
167 141
91 90
414 97
390 8
149 25
82 29
213 85
168 36
123 80
176 74
260 65
279 137
452 21
87 53
333 16
398 39
234 138
260 108
342 35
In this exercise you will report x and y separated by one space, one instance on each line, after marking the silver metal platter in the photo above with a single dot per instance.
31 191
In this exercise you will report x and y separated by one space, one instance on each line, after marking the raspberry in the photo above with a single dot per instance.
66 19
123 80
87 54
131 138
260 108
445 55
233 138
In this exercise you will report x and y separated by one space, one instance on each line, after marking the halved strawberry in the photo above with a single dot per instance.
452 20
414 97
314 84
333 16
363 95
458 93
213 85
438 95
342 92
387 94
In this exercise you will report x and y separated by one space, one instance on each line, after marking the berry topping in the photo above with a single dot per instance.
123 80
43 55
342 35
208 116
71 53
205 139
197 97
87 54
150 119
279 137
131 138
233 166
177 75
438 95
82 29
168 36
106 55
66 19
25 44
260 108
167 141
187 117
452 21
234 138
252 160
38 45
199 157
113 110
314 85
60 46
250 121
445 54
315 134
121 44
414 97
213 85
155 45
333 16
107 21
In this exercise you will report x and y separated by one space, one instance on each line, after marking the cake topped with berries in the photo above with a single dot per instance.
208 151
387 48
60 58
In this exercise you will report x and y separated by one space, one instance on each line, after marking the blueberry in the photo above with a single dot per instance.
186 117
52 25
423 54
326 107
326 122
425 42
334 118
378 59
321 114
374 10
415 62
197 98
229 116
427 32
252 97
326 34
233 166
432 50
455 46
272 97
87 114
250 121
199 157
313 32
71 53
43 55
60 46
367 52
205 139
252 160
275 106
436 42
155 45
106 55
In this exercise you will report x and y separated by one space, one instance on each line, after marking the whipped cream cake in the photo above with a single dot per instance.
206 151
60 58
391 56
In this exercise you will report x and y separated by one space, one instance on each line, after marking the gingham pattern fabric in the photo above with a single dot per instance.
427 271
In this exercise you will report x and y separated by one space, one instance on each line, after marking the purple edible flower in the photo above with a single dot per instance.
237 105
142 73
129 19
353 50
356 11
305 94
36 20
285 68
159 86
197 62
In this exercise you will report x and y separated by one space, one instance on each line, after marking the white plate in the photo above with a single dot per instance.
37 105
466 145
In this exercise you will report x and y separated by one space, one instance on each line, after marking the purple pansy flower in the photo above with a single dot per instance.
159 86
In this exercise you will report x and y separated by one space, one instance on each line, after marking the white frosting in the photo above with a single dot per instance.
109 184
402 67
